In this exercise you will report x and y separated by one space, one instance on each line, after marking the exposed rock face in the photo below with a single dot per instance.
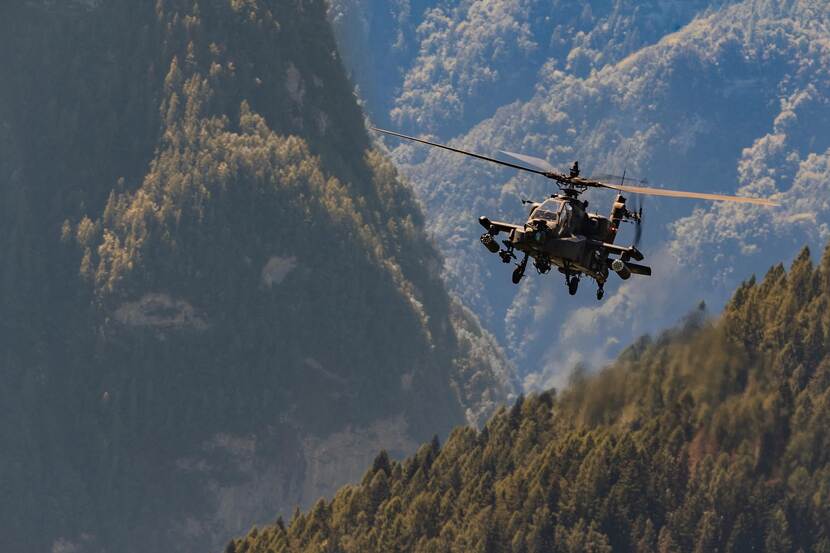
241 479
162 312
277 268
348 453
294 85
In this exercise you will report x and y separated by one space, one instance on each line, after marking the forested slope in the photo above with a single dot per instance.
711 437
442 67
216 299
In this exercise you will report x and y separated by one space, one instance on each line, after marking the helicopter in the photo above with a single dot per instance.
560 232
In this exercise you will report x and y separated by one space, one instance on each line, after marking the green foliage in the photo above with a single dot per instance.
712 437
200 245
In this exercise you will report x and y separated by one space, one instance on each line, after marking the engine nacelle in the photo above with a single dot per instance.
619 267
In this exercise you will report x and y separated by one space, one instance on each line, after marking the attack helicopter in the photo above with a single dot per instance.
560 232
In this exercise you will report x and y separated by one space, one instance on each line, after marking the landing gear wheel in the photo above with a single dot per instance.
573 284
600 293
519 271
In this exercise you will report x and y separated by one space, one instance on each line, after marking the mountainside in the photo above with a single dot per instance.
217 299
711 437
709 96
444 66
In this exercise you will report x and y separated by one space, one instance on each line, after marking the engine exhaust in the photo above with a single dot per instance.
619 267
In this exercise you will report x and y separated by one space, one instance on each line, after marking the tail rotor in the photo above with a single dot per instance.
637 216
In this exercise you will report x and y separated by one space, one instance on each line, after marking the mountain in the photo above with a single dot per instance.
708 96
444 66
710 437
218 300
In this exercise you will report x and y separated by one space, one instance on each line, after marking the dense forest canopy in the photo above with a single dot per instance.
210 279
711 437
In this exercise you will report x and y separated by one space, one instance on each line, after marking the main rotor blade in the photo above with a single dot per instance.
536 162
622 180
695 195
456 150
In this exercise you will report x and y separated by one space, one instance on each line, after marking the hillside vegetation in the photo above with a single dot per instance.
209 279
712 437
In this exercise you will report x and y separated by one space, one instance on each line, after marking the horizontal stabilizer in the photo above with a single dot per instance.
638 269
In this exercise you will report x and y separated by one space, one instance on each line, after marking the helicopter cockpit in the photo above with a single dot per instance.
548 211
556 214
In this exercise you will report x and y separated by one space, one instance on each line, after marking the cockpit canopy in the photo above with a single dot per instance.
556 213
548 211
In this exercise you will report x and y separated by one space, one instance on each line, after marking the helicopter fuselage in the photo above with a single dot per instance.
560 232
